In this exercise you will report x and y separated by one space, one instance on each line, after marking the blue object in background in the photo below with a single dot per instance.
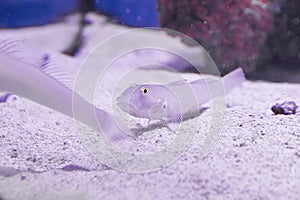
138 13
20 13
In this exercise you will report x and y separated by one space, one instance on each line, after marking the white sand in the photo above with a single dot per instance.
256 156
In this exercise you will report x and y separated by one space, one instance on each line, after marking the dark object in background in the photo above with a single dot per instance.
137 13
85 7
280 57
22 13
261 36
285 108
231 31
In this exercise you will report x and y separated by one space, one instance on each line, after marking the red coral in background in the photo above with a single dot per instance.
232 31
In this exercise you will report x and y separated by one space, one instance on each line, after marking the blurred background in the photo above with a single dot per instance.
261 36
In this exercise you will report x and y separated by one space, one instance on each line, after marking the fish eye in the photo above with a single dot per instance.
144 90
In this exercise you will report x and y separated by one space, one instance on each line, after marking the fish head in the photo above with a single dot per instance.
143 101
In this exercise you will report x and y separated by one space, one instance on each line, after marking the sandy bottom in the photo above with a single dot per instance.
256 156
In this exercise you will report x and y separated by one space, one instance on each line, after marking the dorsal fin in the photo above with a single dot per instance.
56 70
46 63
10 46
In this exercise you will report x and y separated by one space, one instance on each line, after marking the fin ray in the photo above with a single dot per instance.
57 72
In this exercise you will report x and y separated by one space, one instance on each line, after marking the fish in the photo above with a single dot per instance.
171 101
39 85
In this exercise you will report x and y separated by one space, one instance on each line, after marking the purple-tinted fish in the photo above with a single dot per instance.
169 102
28 81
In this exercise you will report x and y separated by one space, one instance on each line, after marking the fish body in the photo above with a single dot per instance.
169 102
25 80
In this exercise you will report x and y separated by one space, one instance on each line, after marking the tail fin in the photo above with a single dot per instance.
233 79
